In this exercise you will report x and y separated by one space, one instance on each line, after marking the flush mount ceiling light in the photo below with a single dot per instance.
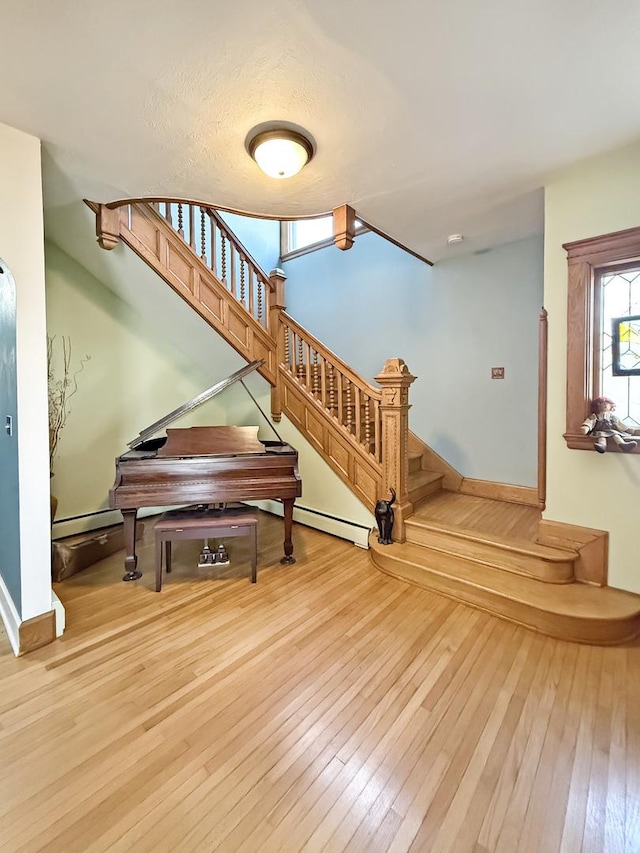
280 152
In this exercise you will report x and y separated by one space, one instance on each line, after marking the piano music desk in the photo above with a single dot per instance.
204 524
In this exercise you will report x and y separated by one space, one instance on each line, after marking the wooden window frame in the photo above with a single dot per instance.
288 254
586 259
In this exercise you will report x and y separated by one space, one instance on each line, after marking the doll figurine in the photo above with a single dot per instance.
602 424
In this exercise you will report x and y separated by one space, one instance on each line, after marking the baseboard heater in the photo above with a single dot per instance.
341 527
96 520
345 529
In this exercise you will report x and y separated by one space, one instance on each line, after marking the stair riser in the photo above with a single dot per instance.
415 464
572 628
420 492
486 553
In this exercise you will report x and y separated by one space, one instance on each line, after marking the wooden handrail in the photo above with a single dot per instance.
279 217
274 217
238 307
351 401
354 377
222 225
209 237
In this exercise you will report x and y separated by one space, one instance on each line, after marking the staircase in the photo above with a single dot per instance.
486 553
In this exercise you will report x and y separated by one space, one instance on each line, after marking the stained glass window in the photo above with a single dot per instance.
619 303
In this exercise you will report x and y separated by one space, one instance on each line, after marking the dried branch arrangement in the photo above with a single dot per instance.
61 388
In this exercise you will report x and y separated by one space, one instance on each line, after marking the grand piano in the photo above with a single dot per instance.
203 465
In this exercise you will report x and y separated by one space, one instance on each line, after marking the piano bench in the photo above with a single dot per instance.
204 524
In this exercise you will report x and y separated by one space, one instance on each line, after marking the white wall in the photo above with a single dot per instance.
22 247
585 488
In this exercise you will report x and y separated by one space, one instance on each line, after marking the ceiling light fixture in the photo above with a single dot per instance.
454 238
280 152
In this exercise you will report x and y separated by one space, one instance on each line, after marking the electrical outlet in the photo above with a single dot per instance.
497 372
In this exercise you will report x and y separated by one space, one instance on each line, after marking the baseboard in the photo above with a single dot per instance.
10 618
28 635
526 495
341 527
37 632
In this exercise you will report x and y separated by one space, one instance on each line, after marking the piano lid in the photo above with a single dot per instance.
150 431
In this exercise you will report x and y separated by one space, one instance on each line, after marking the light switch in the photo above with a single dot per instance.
9 425
497 372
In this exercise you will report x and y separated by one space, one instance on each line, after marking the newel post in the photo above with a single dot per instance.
395 380
276 330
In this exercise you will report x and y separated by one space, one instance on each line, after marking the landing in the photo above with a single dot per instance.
486 516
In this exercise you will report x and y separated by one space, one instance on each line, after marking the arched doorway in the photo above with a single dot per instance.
9 494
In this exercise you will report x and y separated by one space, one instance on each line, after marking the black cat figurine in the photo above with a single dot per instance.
384 519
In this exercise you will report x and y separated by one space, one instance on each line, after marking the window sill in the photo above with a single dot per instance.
313 247
306 250
578 441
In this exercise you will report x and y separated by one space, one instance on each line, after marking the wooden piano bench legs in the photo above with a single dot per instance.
204 524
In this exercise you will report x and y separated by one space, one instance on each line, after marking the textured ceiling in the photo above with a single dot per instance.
430 117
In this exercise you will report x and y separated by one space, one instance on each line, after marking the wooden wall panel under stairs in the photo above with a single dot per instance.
340 450
484 553
154 240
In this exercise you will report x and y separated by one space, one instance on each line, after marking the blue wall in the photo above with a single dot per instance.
9 508
451 323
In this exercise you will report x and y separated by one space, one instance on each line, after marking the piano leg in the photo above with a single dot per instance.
288 524
130 560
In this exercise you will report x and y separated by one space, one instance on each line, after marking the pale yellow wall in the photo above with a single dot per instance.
134 378
585 488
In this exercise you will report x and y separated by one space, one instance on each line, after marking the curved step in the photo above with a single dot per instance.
576 612
543 562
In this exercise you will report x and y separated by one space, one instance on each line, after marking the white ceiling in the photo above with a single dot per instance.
430 117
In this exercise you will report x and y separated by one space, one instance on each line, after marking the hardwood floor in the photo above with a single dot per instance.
327 707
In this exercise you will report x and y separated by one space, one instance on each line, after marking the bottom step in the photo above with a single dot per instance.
576 612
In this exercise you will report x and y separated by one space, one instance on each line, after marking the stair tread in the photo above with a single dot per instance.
421 478
574 599
510 543
488 515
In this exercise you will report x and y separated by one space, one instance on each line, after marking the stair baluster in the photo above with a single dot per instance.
203 235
